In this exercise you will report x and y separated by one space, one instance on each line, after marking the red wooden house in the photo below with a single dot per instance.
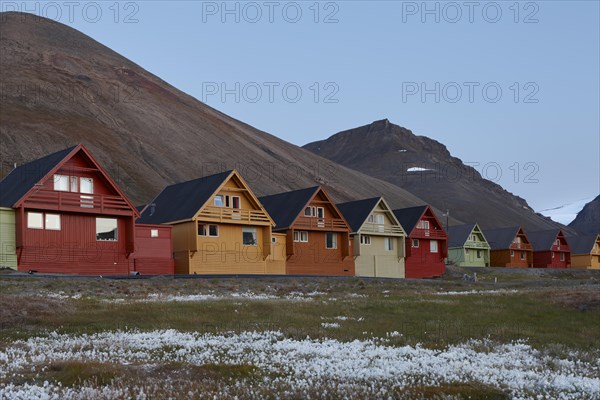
550 249
318 236
426 242
510 247
71 217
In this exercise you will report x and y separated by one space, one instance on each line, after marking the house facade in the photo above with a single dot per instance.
377 237
219 226
550 249
426 242
585 251
510 247
69 217
467 246
317 235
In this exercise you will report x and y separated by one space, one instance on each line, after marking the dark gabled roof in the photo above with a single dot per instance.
458 234
357 212
582 244
408 217
182 201
543 240
285 207
501 238
21 179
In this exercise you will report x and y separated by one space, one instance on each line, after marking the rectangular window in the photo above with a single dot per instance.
433 246
512 253
202 230
106 229
415 243
249 236
235 202
365 239
371 219
273 239
219 200
213 230
35 220
307 212
303 236
86 185
467 251
313 210
227 202
474 238
61 183
552 254
74 184
522 255
153 233
423 225
331 241
320 212
562 256
379 219
388 244
296 236
478 253
53 222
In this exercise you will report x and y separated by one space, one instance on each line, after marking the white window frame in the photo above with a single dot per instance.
300 236
365 239
116 239
333 240
87 180
213 226
74 184
478 253
413 242
273 239
371 219
379 219
235 199
512 253
523 256
56 228
562 257
30 214
321 212
388 244
204 228
423 224
221 199
61 183
153 233
431 243
466 251
253 231
307 212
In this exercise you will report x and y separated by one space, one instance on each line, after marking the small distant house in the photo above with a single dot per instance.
317 235
64 214
510 247
467 246
219 226
585 251
550 249
377 236
426 243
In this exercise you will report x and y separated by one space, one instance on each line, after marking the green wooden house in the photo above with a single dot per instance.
8 253
467 246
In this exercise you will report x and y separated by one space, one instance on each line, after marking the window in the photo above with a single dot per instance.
474 238
478 253
61 183
219 200
213 230
365 239
300 236
512 253
371 219
331 241
86 185
153 232
320 212
379 219
423 225
388 244
74 184
201 230
313 210
552 254
35 220
273 239
249 236
467 251
433 246
53 222
562 256
235 201
106 229
227 202
517 240
415 243
522 255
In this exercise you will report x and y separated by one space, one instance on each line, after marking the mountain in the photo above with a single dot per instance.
60 88
588 219
426 168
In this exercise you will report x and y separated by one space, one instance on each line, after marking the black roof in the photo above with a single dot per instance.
285 207
501 238
543 240
357 212
21 179
408 217
582 244
458 234
182 201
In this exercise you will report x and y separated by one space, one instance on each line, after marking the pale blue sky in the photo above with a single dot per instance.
371 59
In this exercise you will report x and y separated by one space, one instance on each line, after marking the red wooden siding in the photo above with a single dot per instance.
153 255
420 261
551 258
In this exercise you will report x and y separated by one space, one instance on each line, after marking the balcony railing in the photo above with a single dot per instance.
78 202
477 245
233 215
521 246
433 233
328 224
381 229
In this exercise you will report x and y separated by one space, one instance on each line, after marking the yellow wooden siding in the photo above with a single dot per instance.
276 260
374 260
8 255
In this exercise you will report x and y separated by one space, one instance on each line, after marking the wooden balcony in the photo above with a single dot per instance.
477 245
77 202
521 246
376 229
323 224
429 233
233 215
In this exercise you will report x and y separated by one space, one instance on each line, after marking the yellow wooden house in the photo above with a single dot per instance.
219 227
585 251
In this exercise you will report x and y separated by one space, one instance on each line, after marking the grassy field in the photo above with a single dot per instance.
138 328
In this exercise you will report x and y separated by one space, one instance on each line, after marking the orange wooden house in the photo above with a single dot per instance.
219 227
510 247
318 236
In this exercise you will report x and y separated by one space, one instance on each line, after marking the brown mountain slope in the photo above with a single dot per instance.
588 219
60 87
387 151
